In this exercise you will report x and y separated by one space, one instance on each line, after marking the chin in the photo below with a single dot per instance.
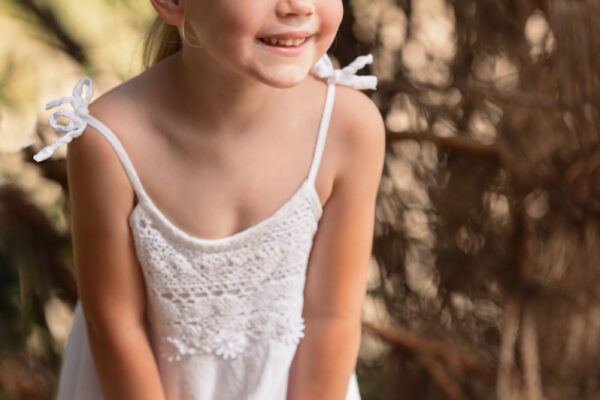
284 84
284 78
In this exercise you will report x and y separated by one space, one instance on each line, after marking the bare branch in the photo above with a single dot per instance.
50 22
530 356
504 385
433 348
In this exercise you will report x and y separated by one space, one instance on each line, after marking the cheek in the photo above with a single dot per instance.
331 13
238 18
224 21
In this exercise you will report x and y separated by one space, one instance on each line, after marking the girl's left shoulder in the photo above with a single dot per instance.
357 114
359 131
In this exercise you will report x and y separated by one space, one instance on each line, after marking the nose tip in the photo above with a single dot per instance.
287 8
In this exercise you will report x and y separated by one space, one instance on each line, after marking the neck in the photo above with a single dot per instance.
222 100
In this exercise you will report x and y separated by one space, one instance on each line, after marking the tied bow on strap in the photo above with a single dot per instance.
347 75
76 124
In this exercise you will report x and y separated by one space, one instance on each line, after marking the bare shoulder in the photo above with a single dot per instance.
102 199
360 133
124 107
92 162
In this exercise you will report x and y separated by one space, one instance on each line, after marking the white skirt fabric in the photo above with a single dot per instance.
263 376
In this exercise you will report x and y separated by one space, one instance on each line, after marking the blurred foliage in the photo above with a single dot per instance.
485 255
488 221
50 46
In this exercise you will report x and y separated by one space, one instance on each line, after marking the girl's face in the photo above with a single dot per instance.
274 41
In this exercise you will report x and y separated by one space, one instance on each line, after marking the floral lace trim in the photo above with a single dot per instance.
227 344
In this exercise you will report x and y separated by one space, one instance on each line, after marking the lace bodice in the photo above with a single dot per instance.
219 296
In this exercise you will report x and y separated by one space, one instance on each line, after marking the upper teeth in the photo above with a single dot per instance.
285 42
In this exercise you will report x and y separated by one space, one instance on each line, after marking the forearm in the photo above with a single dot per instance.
325 359
125 364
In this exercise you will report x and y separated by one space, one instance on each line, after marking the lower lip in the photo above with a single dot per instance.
286 50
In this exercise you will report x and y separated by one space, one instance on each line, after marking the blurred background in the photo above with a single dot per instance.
484 280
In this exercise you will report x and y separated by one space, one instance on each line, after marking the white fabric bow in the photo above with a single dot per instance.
346 76
323 68
76 124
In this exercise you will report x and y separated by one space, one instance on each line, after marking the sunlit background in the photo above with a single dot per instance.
483 282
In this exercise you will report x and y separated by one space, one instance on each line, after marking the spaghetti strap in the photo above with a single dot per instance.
78 119
123 157
346 76
322 134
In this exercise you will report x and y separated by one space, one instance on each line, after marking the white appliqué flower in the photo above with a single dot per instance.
291 329
230 347
174 350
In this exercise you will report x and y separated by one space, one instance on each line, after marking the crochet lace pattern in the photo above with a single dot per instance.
219 296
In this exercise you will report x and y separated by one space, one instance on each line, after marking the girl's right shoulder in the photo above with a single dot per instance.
93 166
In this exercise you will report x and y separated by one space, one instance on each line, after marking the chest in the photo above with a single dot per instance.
220 295
213 190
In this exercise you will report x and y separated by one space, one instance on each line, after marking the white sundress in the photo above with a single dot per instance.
224 315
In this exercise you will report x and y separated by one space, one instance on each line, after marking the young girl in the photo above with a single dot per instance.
223 210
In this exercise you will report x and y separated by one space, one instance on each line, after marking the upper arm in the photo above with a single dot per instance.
336 276
109 279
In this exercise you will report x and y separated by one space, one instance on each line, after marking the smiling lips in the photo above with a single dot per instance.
283 42
291 39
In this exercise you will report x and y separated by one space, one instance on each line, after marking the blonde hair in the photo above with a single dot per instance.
161 41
